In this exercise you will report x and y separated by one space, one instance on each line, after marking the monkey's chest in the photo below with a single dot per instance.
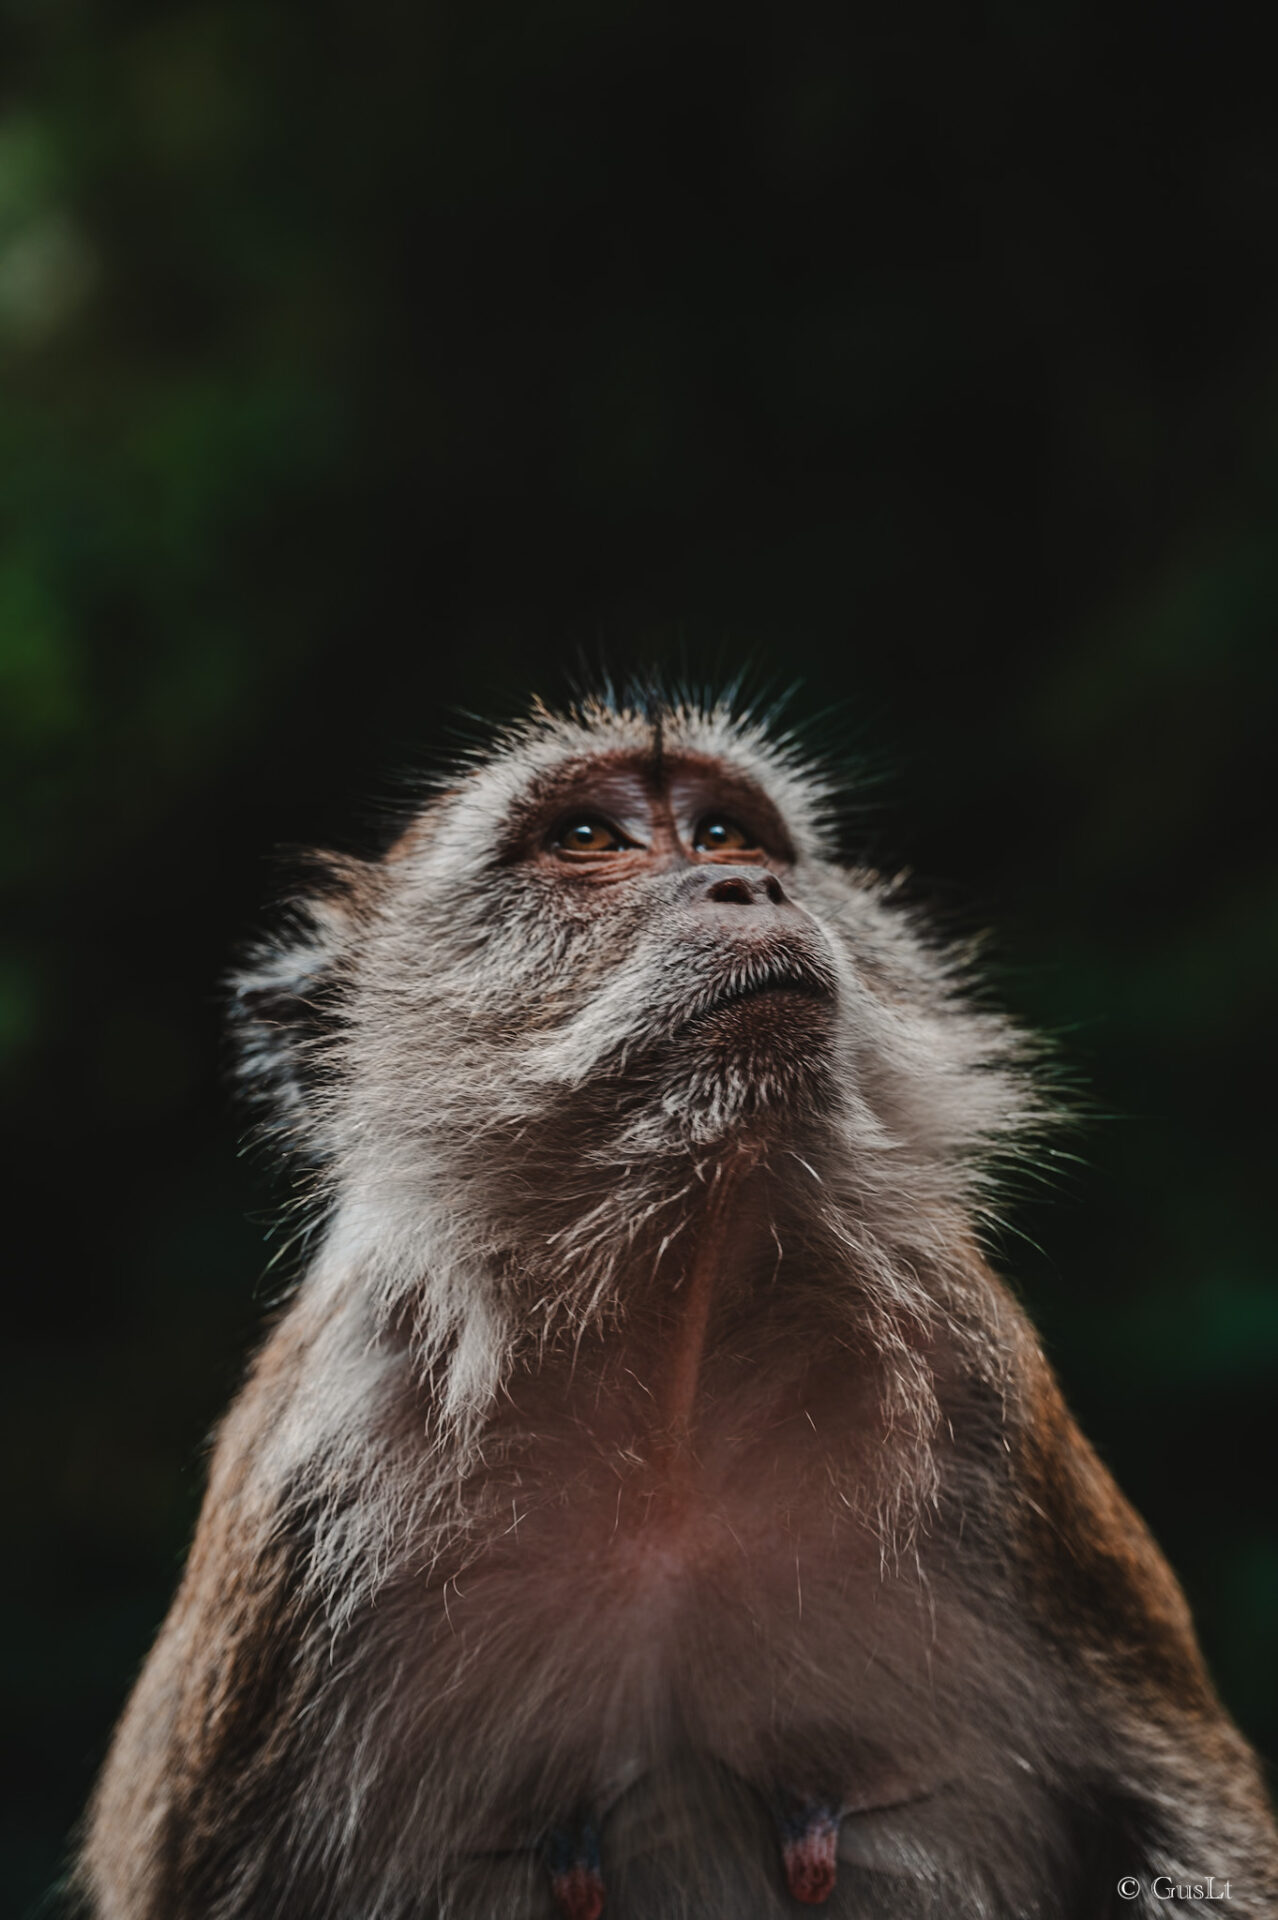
611 1609
696 1593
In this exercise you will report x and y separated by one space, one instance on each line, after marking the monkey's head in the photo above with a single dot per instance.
613 956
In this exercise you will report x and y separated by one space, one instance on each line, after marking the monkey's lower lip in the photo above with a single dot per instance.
785 988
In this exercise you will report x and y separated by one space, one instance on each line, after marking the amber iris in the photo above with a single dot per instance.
718 834
588 834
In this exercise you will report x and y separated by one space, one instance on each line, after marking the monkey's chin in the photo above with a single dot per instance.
767 1054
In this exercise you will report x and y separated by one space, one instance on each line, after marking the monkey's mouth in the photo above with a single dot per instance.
791 979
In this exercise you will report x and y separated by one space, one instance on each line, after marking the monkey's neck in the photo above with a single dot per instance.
721 1238
677 1397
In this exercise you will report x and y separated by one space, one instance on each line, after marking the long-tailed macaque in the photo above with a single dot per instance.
651 1503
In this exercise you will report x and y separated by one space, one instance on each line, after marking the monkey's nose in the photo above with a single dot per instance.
742 887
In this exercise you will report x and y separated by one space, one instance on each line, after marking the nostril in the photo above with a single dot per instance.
731 891
772 887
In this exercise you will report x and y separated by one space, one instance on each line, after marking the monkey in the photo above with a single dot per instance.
651 1502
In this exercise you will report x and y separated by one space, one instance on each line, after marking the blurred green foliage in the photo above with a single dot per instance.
361 369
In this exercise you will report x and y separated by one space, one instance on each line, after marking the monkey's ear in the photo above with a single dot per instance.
287 1008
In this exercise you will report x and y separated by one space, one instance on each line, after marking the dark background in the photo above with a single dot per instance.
364 364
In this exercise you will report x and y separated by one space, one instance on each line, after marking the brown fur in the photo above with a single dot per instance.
648 1436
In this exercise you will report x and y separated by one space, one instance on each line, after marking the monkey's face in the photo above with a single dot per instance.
692 971
632 935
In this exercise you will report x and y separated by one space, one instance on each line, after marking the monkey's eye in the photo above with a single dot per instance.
719 834
587 833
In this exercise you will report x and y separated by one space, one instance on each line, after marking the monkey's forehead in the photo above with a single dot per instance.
549 753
